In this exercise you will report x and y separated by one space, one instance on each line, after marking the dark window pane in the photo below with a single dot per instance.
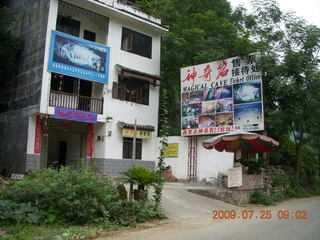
128 146
68 25
133 90
91 36
136 42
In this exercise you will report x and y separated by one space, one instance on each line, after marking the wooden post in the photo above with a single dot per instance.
133 158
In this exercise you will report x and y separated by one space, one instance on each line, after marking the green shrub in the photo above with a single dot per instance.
76 196
254 164
140 175
11 212
260 197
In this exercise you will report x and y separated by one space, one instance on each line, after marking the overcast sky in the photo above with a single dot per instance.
308 9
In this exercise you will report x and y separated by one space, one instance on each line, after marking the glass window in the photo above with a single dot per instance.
128 147
136 42
68 26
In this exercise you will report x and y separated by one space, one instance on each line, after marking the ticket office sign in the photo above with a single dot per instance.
222 96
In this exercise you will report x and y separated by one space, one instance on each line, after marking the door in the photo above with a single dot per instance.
62 153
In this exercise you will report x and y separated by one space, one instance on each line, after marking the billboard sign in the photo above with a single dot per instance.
74 115
221 96
78 58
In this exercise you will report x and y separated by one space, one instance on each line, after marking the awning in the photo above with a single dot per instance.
136 73
139 127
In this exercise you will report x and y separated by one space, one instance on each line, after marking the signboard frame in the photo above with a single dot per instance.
222 96
78 58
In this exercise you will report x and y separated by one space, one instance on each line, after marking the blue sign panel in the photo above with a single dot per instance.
80 116
79 58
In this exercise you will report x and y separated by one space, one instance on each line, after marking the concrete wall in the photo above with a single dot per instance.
24 90
209 162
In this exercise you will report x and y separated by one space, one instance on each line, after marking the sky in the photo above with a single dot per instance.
308 9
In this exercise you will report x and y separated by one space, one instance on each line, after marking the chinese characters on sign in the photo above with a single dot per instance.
221 96
235 177
89 140
38 136
80 116
171 150
79 58
141 134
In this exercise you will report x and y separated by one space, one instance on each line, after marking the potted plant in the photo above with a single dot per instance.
142 177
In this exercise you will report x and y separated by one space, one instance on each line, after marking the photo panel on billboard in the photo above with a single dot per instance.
195 97
248 114
190 122
207 121
247 92
224 119
224 105
224 92
209 107
209 94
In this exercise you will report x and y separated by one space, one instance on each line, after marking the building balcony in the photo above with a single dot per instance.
75 102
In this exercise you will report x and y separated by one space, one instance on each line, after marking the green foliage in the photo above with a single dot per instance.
254 164
139 175
259 197
68 195
27 232
11 212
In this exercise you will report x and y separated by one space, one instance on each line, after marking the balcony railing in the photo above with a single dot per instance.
70 101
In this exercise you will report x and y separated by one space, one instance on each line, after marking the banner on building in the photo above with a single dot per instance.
78 58
74 115
89 144
38 136
141 134
221 96
171 150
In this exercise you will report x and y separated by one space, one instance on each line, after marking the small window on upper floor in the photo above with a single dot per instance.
136 42
87 35
68 26
132 90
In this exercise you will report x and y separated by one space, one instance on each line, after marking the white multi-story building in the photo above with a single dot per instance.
87 70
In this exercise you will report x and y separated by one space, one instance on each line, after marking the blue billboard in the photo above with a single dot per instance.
78 58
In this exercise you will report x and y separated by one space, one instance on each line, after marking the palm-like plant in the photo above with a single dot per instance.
139 175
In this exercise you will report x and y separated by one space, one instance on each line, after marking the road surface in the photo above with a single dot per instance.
190 218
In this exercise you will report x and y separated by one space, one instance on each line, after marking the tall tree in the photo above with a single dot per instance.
200 31
290 50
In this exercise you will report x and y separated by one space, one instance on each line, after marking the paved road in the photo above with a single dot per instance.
190 218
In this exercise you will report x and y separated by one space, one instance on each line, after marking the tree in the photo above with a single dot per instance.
290 58
200 31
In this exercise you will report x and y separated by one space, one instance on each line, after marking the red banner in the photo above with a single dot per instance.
38 135
89 144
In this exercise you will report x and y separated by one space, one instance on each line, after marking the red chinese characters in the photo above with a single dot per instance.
222 70
191 75
207 73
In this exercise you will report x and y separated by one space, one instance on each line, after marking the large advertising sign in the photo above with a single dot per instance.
221 96
79 58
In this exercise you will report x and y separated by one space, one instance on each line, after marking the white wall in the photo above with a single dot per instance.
209 162
119 110
31 134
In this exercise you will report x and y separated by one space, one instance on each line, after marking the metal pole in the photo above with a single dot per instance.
133 158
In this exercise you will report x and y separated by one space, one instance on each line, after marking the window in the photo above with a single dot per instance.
132 90
63 83
128 147
68 25
136 43
91 36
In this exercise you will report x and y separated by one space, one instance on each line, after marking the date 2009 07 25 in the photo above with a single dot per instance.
259 214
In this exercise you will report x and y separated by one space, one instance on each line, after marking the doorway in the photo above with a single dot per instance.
62 153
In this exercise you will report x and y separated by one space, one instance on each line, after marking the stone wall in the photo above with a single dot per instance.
33 162
21 94
112 167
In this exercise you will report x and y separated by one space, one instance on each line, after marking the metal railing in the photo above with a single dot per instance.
75 102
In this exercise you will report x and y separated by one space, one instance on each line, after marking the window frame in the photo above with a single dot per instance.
127 145
136 42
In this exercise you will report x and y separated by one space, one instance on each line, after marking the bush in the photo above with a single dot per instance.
260 197
254 164
76 196
11 212
70 196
